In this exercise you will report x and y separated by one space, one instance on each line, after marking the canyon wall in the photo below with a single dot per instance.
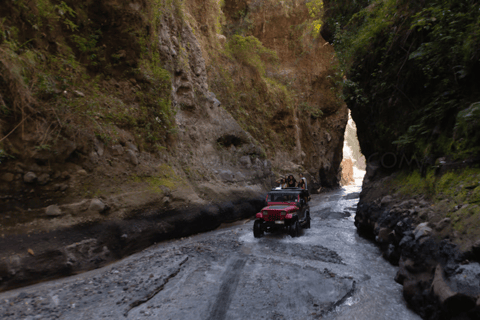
410 77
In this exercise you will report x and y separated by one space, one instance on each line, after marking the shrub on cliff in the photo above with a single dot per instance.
411 67
83 67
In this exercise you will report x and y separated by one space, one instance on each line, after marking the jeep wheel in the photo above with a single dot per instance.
294 229
257 229
307 221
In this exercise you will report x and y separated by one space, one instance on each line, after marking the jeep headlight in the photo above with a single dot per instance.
265 213
283 213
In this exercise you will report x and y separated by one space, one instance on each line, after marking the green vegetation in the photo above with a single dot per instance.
314 112
250 50
460 186
411 68
166 178
455 195
252 97
316 11
58 60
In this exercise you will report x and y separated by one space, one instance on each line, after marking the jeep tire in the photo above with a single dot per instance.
294 229
257 229
307 220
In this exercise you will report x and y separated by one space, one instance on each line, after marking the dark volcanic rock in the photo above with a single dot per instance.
434 283
92 246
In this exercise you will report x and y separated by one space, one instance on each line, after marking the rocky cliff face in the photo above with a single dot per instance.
114 112
417 126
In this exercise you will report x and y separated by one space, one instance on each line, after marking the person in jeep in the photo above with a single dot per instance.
291 182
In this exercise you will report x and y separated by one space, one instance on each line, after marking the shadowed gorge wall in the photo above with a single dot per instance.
115 107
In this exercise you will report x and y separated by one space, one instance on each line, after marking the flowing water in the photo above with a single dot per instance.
329 272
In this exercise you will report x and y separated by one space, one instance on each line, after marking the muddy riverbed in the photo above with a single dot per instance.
328 272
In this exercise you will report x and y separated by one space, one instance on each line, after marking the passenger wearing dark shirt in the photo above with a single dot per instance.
301 184
291 183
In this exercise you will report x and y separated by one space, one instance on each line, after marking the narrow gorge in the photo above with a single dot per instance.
128 123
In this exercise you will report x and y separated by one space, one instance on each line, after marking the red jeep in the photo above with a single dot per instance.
287 209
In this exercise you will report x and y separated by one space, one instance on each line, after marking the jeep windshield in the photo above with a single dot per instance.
282 197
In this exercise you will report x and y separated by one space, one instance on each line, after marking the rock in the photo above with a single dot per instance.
30 177
97 205
386 200
117 149
440 288
258 163
85 251
328 136
407 204
382 236
131 146
82 172
347 172
422 230
65 175
226 175
476 248
60 187
53 211
221 38
43 179
240 176
245 161
98 146
216 103
452 302
442 224
423 203
19 167
79 93
132 157
431 215
466 279
351 196
64 150
423 213
8 177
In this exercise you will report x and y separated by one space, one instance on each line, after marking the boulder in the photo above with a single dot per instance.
422 230
98 145
30 177
97 205
53 211
8 177
43 179
442 224
221 38
82 172
386 200
245 161
382 236
117 150
453 302
226 175
407 204
354 195
476 248
132 157
131 146
240 176
258 163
